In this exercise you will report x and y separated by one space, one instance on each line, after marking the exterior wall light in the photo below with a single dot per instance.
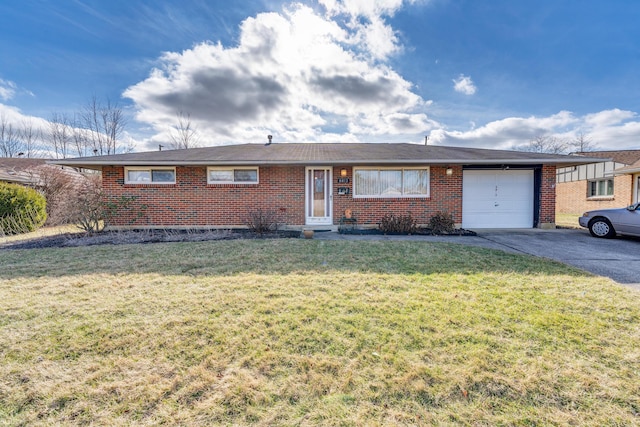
449 171
343 172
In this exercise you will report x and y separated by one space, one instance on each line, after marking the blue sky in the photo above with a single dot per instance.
486 74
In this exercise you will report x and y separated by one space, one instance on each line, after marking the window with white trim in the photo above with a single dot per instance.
390 182
600 188
151 175
232 175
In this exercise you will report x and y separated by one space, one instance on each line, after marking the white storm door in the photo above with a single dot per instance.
318 197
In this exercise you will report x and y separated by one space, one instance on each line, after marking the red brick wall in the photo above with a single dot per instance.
548 195
445 196
193 202
572 196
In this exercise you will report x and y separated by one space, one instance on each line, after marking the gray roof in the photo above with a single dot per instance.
325 154
19 169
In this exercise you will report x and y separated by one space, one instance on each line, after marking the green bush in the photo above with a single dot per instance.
22 209
441 223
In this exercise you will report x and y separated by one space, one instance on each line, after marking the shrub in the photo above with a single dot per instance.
391 223
93 209
261 221
441 223
22 209
60 188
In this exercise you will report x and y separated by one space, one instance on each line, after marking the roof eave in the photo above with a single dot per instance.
98 165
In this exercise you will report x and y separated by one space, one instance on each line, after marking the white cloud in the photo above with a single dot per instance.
7 89
608 117
296 74
609 130
464 84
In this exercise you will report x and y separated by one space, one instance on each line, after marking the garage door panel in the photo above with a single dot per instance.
497 199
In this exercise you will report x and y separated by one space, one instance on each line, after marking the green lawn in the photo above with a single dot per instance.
309 332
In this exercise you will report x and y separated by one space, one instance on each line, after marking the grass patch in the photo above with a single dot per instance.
309 332
40 233
568 220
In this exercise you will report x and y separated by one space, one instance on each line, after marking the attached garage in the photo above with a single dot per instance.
496 198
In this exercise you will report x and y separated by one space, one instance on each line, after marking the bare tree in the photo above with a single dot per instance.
547 144
60 135
31 136
79 137
10 144
184 135
582 143
104 122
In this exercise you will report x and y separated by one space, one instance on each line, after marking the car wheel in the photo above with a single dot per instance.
601 227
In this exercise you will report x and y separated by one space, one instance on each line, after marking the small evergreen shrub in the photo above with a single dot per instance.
441 223
403 224
22 209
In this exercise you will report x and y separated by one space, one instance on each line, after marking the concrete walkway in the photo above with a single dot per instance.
618 259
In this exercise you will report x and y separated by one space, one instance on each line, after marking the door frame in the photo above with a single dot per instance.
328 196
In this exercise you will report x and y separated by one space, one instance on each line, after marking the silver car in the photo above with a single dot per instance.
611 222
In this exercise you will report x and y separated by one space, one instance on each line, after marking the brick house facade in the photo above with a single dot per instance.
193 202
612 183
281 183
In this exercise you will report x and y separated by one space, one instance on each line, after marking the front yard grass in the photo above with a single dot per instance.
308 332
567 220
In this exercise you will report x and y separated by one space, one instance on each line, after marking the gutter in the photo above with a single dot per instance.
358 162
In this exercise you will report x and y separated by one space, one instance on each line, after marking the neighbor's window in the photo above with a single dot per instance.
391 182
601 187
222 175
150 175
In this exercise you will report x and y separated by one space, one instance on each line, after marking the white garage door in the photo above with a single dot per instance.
497 199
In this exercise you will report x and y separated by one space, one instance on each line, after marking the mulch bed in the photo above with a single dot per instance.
421 231
171 235
143 236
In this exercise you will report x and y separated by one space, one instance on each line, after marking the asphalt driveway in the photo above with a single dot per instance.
618 259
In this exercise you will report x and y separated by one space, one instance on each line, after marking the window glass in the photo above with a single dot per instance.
366 182
416 181
391 182
602 187
221 175
163 175
139 176
231 175
245 175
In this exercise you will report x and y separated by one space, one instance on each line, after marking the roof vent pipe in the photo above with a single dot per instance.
269 137
426 140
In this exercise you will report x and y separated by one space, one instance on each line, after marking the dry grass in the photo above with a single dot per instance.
40 233
307 332
568 220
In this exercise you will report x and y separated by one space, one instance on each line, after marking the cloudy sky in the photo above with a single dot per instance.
486 74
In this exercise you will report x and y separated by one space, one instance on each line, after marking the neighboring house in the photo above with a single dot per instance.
311 185
32 172
20 170
611 183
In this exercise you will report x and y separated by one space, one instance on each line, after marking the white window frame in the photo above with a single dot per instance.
233 169
597 181
392 196
149 169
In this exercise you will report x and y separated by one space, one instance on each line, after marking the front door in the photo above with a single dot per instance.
318 205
